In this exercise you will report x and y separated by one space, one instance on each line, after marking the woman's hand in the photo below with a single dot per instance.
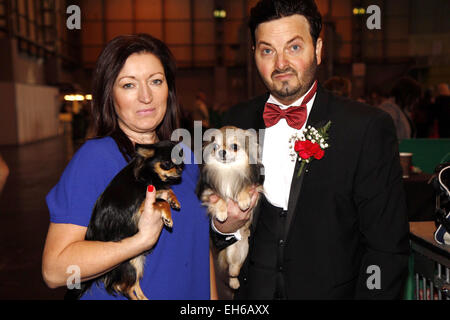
65 247
150 223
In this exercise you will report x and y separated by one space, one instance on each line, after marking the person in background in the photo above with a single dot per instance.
404 96
442 109
376 97
134 102
201 112
339 86
80 123
4 173
407 93
422 115
216 115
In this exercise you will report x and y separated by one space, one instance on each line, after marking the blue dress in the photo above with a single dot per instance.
178 266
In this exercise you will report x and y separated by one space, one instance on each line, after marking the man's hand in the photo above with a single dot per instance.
236 217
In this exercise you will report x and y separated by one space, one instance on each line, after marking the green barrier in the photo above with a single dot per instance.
427 153
410 285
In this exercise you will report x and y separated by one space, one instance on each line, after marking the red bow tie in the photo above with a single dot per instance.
295 116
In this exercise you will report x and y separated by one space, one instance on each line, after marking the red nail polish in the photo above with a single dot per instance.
150 188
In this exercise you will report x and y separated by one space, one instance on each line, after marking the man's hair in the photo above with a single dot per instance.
267 10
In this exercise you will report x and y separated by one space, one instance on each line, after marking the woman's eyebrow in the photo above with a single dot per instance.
133 77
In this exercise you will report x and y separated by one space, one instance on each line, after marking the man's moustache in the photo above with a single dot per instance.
288 70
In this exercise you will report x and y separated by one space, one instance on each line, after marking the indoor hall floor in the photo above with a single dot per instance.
34 169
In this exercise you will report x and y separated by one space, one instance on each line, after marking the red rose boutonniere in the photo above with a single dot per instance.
309 144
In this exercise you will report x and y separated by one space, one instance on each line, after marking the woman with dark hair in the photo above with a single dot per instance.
108 67
134 101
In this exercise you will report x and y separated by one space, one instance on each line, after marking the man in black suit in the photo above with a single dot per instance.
339 230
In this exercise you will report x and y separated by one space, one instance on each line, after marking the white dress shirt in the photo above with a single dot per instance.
278 164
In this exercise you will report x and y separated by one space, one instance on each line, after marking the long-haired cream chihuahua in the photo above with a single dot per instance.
231 168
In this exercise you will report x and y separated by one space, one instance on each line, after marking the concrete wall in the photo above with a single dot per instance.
29 108
8 119
29 113
37 112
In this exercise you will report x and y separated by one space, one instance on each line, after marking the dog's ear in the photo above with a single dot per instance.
145 151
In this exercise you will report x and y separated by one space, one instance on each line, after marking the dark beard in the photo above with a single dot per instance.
287 93
294 93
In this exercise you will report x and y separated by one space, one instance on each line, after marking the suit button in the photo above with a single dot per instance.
281 243
280 268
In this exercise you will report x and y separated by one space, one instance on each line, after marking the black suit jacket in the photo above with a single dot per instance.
346 211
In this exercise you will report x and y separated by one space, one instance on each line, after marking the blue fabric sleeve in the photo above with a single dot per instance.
84 179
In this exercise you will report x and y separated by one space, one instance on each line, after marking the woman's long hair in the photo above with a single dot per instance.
109 64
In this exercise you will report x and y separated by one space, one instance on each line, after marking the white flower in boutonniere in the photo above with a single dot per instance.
309 144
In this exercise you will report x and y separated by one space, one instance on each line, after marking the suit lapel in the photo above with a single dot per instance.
260 111
317 119
260 126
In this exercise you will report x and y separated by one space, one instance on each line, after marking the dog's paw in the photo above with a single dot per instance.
136 293
167 221
219 210
163 208
234 283
170 197
221 216
244 200
174 203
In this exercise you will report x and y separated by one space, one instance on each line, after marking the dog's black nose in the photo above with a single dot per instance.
222 154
